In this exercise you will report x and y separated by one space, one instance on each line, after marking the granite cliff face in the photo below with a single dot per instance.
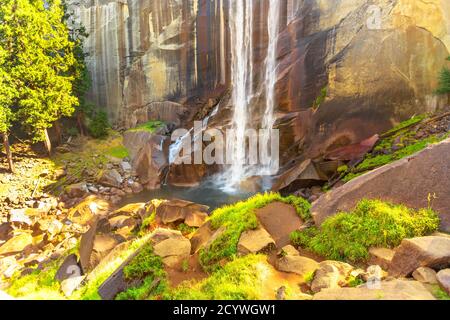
378 61
143 51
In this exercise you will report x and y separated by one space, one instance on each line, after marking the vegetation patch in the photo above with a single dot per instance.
396 144
444 81
38 285
86 161
238 218
439 293
151 126
148 268
373 223
119 151
237 280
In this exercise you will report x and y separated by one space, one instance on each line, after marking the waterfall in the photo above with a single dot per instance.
241 39
273 26
241 32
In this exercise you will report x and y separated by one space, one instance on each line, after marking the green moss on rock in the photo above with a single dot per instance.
241 217
373 223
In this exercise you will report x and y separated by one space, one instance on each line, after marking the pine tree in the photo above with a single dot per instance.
8 90
444 81
44 55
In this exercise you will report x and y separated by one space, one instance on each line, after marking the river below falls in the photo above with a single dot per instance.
208 193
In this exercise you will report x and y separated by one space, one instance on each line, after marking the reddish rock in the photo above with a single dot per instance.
178 210
381 257
408 181
5 231
204 236
353 151
77 190
16 244
255 241
171 246
425 275
148 156
301 175
430 252
111 178
443 278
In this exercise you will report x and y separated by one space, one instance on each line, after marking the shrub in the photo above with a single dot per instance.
348 236
444 81
241 217
150 126
99 125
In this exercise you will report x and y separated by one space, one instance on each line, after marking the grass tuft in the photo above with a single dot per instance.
241 217
373 223
237 280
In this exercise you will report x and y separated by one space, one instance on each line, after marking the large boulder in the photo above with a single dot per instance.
388 290
95 245
171 246
420 252
204 236
255 241
5 231
330 274
111 178
87 209
443 278
176 210
16 244
290 261
280 220
381 257
425 275
148 153
408 181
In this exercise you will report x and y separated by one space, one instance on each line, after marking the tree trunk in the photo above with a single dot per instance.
8 152
47 142
58 132
80 119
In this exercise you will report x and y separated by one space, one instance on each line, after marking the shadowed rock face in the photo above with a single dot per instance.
144 51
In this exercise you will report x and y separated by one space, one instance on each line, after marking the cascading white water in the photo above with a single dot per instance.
241 31
241 38
273 29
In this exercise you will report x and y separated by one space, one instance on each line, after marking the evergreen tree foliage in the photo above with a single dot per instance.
99 125
444 81
40 55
